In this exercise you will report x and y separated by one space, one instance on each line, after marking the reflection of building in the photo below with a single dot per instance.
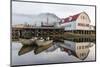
78 49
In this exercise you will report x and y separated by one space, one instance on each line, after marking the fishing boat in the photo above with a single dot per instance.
43 43
28 41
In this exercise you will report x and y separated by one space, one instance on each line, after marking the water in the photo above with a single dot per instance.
56 56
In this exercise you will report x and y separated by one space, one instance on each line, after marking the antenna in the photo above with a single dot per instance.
47 19
41 23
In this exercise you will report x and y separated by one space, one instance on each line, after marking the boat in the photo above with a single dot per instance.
43 43
28 41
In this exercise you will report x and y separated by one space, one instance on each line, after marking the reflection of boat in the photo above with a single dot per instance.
42 48
25 49
37 47
52 48
42 45
28 41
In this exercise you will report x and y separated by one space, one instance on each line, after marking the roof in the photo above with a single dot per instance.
71 18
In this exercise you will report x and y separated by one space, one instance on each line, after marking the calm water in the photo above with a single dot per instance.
55 56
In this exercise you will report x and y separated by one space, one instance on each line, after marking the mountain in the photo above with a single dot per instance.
45 18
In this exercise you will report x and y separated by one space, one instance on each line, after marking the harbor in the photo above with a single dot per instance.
55 56
53 37
73 36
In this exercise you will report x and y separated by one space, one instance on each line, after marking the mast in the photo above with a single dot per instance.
47 19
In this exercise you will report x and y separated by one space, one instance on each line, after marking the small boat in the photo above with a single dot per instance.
28 41
43 43
25 49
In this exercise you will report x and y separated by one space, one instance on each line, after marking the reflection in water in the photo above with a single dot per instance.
78 48
25 49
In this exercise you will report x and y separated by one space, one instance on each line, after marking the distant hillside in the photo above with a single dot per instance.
45 18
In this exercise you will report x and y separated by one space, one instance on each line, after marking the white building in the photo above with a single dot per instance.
79 21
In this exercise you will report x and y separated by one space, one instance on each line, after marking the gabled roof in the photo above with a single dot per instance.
70 18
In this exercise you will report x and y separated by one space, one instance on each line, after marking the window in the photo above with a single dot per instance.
86 46
82 17
84 25
82 47
79 47
82 54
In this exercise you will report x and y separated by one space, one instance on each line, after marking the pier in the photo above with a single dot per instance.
39 32
50 32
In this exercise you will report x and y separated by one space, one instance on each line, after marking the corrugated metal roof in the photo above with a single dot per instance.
70 18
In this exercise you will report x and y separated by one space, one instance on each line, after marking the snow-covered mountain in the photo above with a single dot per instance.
45 18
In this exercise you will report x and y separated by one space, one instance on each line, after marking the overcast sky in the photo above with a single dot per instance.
28 9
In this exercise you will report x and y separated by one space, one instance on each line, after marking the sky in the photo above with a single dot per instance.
24 11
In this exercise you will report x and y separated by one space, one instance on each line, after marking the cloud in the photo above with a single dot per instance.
61 11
